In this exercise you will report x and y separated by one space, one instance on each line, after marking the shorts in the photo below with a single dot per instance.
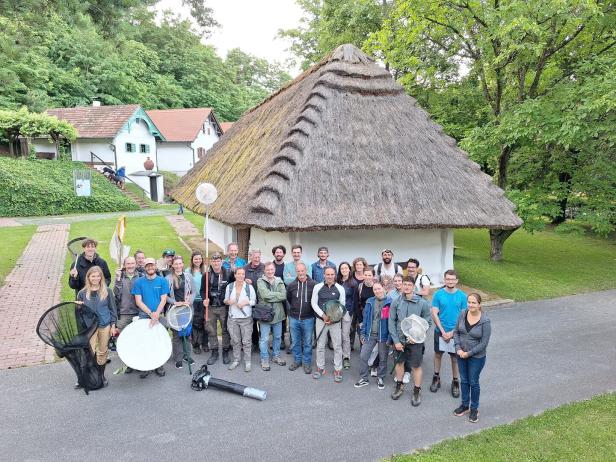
412 355
437 335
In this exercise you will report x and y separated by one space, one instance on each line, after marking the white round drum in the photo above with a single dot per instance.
142 347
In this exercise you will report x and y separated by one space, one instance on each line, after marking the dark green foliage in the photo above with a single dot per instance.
63 54
40 187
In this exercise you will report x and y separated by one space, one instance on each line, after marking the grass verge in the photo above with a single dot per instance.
580 431
150 234
14 240
537 266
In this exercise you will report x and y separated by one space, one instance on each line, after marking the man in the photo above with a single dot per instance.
446 306
362 294
386 267
232 262
322 293
254 270
278 253
301 318
164 265
422 281
151 297
213 302
407 352
374 333
123 294
318 267
289 274
86 260
140 262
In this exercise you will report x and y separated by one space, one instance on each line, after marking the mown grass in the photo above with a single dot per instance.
150 234
537 266
579 431
14 240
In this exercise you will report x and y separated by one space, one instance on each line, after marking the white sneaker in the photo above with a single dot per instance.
233 365
406 378
247 367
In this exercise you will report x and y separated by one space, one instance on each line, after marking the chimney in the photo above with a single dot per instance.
96 103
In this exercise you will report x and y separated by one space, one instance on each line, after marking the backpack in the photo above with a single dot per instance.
378 268
421 285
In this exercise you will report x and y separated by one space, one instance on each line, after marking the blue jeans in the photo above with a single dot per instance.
470 368
301 340
265 329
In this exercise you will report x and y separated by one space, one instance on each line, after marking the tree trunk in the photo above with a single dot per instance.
497 240
503 163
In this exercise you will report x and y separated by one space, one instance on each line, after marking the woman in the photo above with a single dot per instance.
359 265
241 297
396 290
471 336
199 334
271 291
348 283
96 295
182 293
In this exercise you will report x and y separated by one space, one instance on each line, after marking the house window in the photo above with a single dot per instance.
131 147
144 148
200 152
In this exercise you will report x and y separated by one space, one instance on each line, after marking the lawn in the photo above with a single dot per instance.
541 265
14 240
150 234
578 431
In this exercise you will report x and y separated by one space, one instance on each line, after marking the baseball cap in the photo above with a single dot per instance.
168 252
149 261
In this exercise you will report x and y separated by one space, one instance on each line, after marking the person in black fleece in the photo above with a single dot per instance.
86 260
301 318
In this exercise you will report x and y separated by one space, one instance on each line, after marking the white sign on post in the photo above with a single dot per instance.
83 183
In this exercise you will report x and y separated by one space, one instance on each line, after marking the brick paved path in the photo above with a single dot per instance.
32 287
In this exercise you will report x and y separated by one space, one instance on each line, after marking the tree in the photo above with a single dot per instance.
516 50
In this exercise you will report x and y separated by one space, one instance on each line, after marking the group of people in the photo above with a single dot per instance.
249 301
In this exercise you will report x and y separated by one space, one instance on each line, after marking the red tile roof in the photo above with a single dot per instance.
225 126
96 121
180 124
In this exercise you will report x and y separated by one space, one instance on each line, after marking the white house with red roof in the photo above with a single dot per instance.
187 135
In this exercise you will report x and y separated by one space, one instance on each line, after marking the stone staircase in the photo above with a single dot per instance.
135 198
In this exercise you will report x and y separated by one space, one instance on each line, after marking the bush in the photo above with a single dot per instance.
42 187
170 181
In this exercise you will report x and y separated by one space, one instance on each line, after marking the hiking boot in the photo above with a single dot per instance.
398 391
436 383
196 349
461 410
307 369
144 374
318 373
361 383
380 383
213 358
247 367
337 376
160 371
294 366
278 360
265 365
473 416
346 363
233 365
179 365
455 388
406 378
416 398
225 357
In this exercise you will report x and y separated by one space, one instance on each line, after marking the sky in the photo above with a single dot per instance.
251 25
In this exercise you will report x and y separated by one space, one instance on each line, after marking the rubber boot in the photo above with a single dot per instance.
101 368
213 358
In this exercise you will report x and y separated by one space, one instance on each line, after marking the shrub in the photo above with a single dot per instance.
42 187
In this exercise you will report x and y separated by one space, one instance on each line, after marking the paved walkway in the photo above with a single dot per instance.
542 354
31 288
189 235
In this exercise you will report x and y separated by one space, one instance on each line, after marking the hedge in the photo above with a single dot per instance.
43 187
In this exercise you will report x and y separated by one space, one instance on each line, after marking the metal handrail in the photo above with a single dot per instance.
144 193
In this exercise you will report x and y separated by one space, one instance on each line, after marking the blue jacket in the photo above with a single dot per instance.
318 272
369 315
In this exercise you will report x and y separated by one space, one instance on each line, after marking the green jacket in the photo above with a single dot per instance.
275 295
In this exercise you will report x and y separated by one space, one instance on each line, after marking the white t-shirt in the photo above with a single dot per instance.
382 270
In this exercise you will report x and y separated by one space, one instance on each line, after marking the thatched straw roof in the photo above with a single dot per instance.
342 146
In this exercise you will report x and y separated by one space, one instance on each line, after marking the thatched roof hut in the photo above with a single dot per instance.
343 147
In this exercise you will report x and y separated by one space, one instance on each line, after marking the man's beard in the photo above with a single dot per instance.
387 261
